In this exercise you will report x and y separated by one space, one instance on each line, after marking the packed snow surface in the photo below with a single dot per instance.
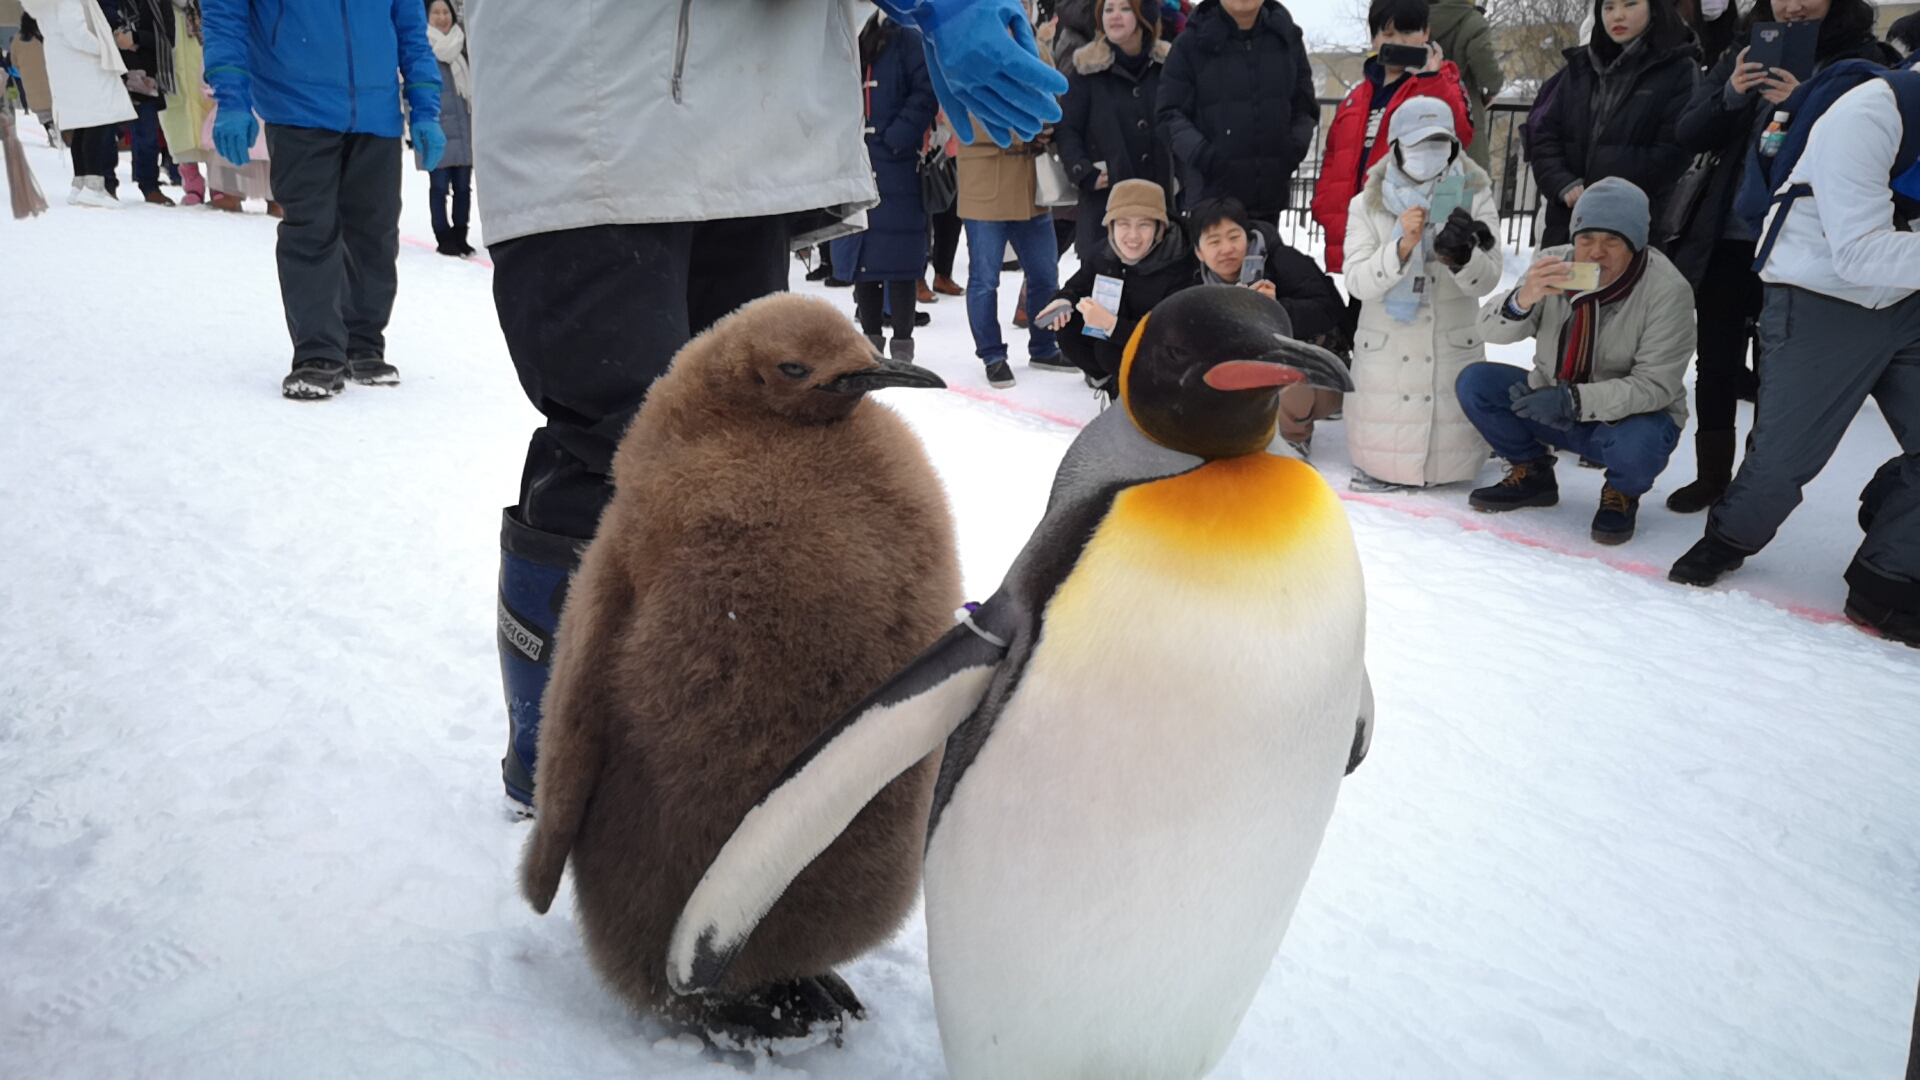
250 730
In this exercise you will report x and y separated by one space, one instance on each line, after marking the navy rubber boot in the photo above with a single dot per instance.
534 569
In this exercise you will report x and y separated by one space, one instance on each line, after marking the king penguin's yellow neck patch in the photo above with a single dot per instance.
1234 507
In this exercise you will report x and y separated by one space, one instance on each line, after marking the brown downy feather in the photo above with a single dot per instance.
772 553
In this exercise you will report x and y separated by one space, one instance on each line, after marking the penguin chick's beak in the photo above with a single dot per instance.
883 374
1293 361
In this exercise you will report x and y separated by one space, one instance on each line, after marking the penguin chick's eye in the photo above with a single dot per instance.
795 371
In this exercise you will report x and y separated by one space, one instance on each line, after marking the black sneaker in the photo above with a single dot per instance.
1000 374
372 371
832 282
820 273
1613 522
1052 362
314 380
1528 483
922 318
1705 562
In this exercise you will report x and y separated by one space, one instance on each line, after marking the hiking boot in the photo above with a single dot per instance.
1713 456
1052 362
1705 562
1613 522
372 371
1527 483
1000 374
947 286
314 380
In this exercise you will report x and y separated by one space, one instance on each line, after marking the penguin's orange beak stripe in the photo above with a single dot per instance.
1251 375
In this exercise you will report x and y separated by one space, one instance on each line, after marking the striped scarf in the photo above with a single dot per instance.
1578 336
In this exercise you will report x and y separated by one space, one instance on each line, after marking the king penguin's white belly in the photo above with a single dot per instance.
1112 878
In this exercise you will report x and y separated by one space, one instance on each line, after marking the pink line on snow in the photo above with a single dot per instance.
1471 522
414 241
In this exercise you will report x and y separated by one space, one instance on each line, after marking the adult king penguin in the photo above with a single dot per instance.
775 546
1145 727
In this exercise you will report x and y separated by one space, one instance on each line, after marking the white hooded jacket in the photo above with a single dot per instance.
647 111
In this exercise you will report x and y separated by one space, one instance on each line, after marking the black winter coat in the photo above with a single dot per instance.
900 108
1107 115
1615 122
1714 121
1237 107
1312 301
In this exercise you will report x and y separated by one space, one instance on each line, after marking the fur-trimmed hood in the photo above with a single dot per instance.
1097 55
1477 179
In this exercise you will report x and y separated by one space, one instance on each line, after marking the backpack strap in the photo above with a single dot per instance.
1782 203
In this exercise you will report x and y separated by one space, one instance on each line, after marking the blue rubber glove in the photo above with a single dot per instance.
1552 405
431 142
234 131
977 67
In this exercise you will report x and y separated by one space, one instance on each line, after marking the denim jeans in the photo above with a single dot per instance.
1634 448
1032 241
144 141
460 179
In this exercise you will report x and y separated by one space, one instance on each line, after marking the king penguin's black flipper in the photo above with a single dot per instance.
821 792
1363 728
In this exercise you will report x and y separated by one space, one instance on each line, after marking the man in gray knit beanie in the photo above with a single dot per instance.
1612 323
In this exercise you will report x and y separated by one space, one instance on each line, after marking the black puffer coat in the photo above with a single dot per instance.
1614 115
1237 107
1107 116
1717 119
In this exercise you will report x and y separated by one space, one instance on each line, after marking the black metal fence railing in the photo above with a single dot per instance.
1515 192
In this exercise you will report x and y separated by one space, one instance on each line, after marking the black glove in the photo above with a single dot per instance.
1455 243
1483 235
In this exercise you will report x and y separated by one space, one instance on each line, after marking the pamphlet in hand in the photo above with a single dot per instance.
1449 193
1106 293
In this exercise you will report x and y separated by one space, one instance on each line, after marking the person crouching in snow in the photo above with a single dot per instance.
1607 364
1234 249
1419 281
1147 254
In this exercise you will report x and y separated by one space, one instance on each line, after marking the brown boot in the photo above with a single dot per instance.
923 294
273 209
944 284
158 199
226 200
1713 451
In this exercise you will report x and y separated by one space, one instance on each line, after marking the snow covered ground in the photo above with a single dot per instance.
250 729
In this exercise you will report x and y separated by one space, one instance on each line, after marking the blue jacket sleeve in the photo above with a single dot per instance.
419 71
223 29
916 114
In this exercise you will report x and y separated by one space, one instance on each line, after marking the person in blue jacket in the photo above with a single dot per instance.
886 261
327 76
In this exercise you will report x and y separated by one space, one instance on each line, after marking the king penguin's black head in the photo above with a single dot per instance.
1202 373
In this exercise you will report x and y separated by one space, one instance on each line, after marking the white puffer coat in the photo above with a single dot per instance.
83 67
640 111
1403 423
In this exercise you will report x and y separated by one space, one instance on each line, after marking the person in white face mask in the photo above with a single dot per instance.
1418 275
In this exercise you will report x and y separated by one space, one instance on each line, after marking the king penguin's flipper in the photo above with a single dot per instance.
573 724
822 791
1363 729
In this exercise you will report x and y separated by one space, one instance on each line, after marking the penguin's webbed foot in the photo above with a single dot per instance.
783 1017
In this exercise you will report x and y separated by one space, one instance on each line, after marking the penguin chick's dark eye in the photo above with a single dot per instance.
795 371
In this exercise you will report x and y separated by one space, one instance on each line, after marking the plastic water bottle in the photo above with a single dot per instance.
1775 135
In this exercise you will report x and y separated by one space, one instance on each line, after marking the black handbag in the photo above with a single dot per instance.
939 181
1683 203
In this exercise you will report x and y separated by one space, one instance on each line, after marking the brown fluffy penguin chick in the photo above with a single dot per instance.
777 545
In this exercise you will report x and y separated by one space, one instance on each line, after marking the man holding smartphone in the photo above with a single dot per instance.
1612 322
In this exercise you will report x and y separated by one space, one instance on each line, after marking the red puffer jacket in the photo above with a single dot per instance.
1340 169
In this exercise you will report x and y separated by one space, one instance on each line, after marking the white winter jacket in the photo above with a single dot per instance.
1403 423
83 64
593 113
1840 240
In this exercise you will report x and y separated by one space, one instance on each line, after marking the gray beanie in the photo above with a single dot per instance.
1612 205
